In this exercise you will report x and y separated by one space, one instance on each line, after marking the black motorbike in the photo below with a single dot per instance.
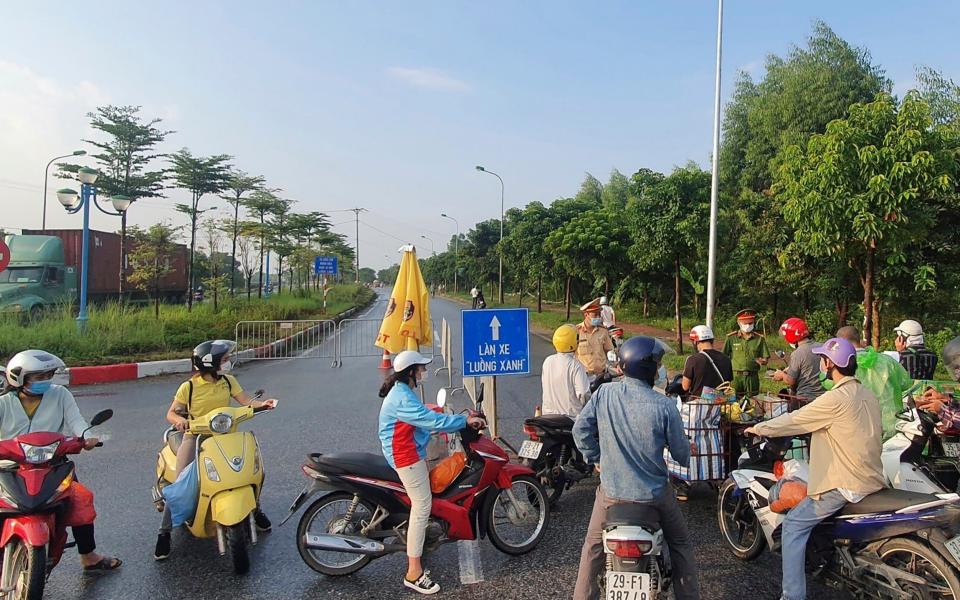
552 455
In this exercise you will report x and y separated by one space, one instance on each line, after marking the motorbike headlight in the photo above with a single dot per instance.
39 454
221 423
212 474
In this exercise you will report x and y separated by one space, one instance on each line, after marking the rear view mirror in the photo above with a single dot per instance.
612 356
442 397
101 417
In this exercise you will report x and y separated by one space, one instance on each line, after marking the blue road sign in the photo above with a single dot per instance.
325 265
495 342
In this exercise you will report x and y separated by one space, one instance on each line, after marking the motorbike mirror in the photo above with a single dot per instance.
612 356
442 397
781 354
258 394
101 417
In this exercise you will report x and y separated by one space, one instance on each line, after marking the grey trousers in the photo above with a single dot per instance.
675 532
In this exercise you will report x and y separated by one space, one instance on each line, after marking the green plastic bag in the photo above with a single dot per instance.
888 381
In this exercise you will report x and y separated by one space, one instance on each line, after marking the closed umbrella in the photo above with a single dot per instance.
406 324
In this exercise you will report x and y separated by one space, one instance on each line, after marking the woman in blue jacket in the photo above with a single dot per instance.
405 428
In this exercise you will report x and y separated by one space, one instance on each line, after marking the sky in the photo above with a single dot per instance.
388 106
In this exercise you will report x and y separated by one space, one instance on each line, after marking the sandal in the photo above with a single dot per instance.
105 564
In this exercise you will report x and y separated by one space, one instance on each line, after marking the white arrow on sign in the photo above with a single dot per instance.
495 328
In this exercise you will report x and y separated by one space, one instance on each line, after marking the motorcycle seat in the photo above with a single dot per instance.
174 439
559 422
885 501
365 464
633 514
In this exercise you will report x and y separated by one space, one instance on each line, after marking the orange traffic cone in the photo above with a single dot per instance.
385 361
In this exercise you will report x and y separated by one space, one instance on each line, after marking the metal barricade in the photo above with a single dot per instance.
356 339
267 340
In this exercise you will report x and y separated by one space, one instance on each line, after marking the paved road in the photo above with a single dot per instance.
325 409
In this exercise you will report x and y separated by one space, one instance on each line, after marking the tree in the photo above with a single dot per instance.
151 258
215 282
200 176
238 185
868 189
943 96
367 275
123 159
278 234
591 191
260 204
246 244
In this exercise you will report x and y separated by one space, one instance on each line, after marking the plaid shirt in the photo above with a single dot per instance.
919 362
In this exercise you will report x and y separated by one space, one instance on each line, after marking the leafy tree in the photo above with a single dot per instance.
239 185
246 244
200 176
943 96
591 191
151 257
279 235
367 275
259 205
616 194
868 189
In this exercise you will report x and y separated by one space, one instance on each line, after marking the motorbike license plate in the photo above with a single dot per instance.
953 545
628 586
951 449
530 449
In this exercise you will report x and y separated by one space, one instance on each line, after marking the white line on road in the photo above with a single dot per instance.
471 566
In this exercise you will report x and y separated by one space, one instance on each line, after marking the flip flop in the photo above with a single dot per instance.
105 564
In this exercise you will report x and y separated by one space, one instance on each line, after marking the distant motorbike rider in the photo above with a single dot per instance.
845 450
35 403
607 314
593 340
624 429
803 370
210 387
748 351
566 387
944 405
920 362
708 367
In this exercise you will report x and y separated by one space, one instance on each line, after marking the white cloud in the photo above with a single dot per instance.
427 78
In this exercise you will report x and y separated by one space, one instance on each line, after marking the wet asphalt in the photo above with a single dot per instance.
324 409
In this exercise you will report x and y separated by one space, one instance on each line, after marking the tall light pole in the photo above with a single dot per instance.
456 250
715 182
433 249
357 211
46 175
483 170
74 203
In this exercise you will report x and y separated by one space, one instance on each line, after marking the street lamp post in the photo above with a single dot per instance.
483 170
456 250
46 175
74 203
433 249
715 179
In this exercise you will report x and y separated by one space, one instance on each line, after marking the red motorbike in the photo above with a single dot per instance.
364 515
34 480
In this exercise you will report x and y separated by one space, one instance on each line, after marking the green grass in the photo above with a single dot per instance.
117 334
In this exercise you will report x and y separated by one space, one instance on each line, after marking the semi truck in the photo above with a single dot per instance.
44 270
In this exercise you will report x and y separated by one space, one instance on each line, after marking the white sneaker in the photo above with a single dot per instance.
423 584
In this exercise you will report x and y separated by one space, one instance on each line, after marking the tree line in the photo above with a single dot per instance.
838 202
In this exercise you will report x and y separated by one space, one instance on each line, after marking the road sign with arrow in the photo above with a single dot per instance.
496 342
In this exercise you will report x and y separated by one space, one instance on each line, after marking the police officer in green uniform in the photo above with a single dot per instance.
748 351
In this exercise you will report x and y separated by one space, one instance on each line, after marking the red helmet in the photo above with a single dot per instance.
794 329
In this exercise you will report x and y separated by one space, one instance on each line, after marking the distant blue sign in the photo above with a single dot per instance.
495 342
325 265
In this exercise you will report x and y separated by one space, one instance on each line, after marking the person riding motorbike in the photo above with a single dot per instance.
624 429
405 425
593 340
210 387
942 404
566 387
803 370
845 464
920 362
607 315
35 403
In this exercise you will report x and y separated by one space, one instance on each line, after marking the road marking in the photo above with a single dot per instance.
471 566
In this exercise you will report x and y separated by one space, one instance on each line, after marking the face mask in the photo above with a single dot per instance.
746 327
226 366
424 375
38 388
596 321
826 383
661 377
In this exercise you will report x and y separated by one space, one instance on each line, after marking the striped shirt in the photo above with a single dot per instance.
919 362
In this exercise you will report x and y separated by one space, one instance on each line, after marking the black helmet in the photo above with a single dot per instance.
207 356
640 357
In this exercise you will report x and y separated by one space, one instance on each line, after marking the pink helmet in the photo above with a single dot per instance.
838 350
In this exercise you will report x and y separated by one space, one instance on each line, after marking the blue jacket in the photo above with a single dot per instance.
625 427
406 425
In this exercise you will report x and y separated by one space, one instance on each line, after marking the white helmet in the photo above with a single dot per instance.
604 301
408 358
701 333
31 362
912 331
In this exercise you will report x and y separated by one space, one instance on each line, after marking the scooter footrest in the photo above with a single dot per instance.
70 544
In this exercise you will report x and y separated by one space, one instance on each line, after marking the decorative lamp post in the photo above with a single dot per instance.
46 174
483 170
456 250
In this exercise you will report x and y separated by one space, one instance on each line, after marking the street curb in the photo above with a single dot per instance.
75 376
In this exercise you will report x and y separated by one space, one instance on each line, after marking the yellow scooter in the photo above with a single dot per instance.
231 476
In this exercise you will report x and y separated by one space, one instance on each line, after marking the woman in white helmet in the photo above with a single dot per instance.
35 403
405 428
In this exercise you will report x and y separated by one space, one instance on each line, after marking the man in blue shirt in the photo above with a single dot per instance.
624 429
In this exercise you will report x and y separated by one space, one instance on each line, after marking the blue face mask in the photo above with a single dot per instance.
596 321
38 388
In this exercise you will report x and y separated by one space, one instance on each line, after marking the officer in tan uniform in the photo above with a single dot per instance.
593 340
748 351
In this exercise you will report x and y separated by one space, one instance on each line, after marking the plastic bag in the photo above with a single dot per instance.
80 510
446 471
796 469
888 381
787 493
181 496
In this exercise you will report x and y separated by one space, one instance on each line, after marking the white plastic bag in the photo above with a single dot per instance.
796 469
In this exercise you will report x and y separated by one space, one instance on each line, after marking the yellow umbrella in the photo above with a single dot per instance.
406 324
